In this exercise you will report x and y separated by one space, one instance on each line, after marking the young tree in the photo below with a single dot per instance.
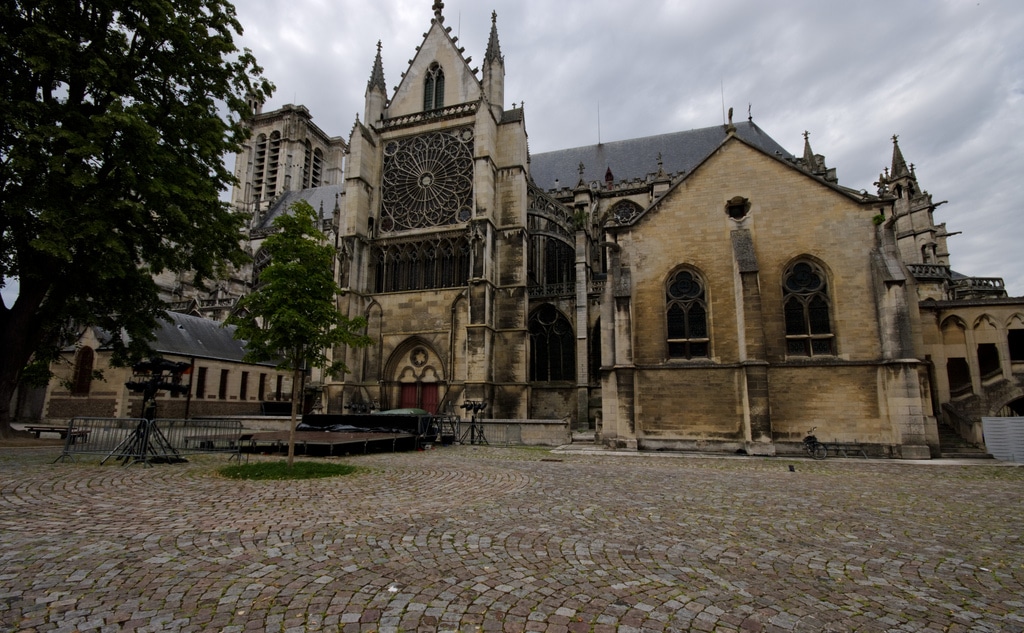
115 121
292 316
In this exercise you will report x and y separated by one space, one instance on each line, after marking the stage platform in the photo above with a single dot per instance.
330 443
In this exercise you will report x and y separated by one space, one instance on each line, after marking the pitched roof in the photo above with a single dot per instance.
187 335
637 158
317 197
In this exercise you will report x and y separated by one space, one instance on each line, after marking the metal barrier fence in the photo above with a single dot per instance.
497 432
136 440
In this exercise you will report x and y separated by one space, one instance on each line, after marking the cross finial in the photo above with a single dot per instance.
438 6
807 135
494 17
895 138
582 169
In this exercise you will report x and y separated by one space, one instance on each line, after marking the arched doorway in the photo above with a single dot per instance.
415 377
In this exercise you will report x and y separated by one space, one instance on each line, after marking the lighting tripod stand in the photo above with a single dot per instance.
147 443
475 432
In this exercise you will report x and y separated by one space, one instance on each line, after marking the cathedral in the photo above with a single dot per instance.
697 290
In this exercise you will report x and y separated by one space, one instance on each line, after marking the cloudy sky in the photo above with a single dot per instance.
948 77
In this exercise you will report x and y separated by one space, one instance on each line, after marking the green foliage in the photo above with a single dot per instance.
292 317
282 470
116 117
878 219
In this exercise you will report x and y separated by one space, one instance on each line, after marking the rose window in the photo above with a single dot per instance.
428 181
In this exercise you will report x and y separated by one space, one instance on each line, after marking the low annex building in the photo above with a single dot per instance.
705 289
222 384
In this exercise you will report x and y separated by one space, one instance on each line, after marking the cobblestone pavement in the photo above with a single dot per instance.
479 538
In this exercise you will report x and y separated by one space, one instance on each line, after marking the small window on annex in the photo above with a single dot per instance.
807 311
82 381
433 88
686 312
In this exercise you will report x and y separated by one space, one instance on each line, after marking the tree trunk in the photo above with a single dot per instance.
21 333
296 403
7 388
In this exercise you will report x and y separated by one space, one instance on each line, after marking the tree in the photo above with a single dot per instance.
115 118
291 317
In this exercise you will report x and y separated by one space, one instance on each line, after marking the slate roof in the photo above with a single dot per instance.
638 157
318 197
188 335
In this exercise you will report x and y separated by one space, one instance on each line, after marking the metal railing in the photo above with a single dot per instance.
141 441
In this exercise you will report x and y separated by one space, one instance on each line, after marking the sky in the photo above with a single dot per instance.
946 76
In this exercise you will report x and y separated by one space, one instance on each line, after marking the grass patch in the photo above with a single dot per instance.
280 470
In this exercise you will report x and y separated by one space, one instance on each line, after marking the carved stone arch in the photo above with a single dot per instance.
953 321
1012 402
1015 320
414 376
985 320
954 332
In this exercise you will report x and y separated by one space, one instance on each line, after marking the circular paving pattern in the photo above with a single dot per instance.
479 538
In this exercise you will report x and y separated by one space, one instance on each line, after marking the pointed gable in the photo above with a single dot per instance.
460 84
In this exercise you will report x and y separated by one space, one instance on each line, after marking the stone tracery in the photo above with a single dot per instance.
428 181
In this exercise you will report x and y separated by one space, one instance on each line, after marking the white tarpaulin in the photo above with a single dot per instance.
1004 438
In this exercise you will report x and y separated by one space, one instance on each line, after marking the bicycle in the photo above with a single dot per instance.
814 448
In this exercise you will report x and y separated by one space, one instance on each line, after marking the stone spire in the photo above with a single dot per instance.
899 166
376 92
809 161
494 71
493 48
377 74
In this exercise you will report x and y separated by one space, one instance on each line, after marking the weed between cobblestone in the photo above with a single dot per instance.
280 470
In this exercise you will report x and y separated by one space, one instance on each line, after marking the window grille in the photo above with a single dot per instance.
807 311
422 265
433 88
552 346
686 316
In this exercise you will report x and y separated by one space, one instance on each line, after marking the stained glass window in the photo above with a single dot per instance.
807 311
552 346
428 181
686 316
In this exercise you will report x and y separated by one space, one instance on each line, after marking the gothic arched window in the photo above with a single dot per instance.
807 311
433 88
273 163
552 346
686 311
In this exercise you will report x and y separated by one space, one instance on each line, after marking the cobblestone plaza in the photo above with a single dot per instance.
494 539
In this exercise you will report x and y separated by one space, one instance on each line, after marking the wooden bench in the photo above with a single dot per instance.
63 431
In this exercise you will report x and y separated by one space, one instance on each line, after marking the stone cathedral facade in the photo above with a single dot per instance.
695 290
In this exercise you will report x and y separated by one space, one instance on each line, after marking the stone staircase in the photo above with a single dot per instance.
952 446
